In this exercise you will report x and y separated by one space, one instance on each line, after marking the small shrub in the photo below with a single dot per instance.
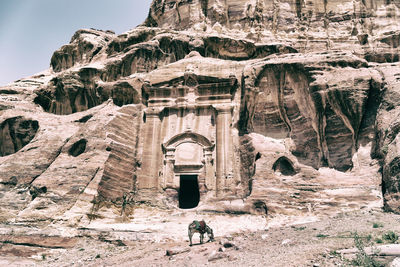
379 241
390 236
97 256
334 253
44 257
362 258
369 237
377 225
322 235
385 149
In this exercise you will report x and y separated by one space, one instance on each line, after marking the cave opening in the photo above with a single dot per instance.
189 194
284 166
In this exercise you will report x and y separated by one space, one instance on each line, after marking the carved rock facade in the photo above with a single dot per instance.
188 135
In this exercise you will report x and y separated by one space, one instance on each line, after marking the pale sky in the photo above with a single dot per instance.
31 30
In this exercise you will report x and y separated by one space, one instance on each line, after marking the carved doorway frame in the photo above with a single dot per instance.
205 169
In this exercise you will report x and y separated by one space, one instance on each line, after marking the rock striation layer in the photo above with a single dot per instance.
280 107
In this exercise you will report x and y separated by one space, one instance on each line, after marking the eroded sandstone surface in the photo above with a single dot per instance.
258 107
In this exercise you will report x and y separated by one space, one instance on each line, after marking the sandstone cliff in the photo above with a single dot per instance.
313 122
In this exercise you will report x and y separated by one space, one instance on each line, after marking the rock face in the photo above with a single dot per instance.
388 130
319 107
238 106
83 48
16 133
122 162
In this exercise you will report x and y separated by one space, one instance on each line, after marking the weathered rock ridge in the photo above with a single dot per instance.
285 107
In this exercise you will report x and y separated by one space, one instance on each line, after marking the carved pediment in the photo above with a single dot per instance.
187 151
186 137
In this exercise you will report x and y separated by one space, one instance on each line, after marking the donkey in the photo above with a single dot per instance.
201 228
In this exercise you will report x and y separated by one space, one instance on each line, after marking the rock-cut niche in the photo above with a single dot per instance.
15 133
78 148
284 166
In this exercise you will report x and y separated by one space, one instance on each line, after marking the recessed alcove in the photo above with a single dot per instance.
284 166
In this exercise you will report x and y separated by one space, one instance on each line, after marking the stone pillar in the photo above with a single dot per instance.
224 145
210 170
148 179
169 168
202 177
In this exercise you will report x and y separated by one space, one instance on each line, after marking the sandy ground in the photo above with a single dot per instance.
241 240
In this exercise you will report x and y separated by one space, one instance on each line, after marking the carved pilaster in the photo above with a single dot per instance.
224 148
169 162
152 154
209 169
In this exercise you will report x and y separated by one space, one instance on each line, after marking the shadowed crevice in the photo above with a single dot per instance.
78 148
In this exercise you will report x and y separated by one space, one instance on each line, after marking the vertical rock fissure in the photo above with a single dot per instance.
326 25
299 5
371 109
177 11
12 136
308 18
319 124
323 145
244 112
252 110
227 13
249 92
281 95
276 10
338 111
204 7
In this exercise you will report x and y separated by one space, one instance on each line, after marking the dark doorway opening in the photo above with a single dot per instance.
189 195
284 166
